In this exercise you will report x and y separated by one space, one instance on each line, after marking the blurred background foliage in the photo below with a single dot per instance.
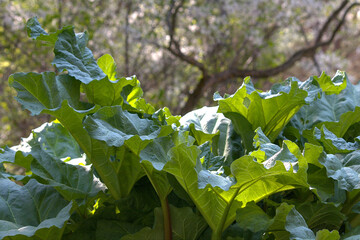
183 50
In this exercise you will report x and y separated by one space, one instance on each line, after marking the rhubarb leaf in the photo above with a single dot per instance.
33 211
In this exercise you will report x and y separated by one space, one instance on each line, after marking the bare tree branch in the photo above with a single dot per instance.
60 8
174 46
316 64
127 45
304 52
207 81
171 18
331 18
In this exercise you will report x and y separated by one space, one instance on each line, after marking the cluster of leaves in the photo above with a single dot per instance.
282 164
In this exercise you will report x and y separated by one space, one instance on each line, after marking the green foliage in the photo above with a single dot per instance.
261 165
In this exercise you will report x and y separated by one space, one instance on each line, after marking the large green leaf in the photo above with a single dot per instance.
108 65
70 50
51 138
330 108
203 123
268 152
73 182
49 144
206 124
251 175
117 127
165 117
216 197
118 167
107 91
40 91
36 32
153 159
55 95
270 110
72 55
55 141
344 169
209 161
72 120
35 211
312 216
133 102
346 120
208 201
157 151
331 142
332 85
127 167
289 154
346 126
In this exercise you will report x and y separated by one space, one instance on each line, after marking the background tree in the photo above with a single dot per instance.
184 50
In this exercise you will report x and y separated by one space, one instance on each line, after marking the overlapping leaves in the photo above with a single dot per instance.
34 211
282 164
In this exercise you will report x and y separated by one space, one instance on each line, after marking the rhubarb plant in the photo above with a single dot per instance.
280 164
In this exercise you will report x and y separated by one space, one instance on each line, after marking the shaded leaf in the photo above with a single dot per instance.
16 155
252 217
329 110
297 227
185 226
114 230
117 127
344 171
34 210
277 228
332 143
320 216
353 234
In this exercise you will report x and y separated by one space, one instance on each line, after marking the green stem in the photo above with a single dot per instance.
216 235
167 219
354 220
163 201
